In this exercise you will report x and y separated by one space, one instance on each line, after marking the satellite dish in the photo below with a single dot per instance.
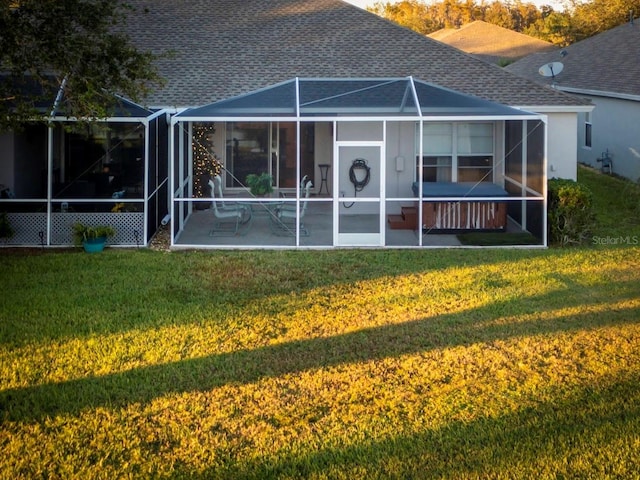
551 69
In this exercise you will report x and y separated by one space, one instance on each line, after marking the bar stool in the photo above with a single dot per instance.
324 174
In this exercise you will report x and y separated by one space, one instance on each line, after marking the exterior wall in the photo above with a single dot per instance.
23 161
6 166
31 162
615 127
7 161
401 158
562 158
323 148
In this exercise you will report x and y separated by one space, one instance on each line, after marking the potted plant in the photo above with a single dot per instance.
92 238
260 185
6 230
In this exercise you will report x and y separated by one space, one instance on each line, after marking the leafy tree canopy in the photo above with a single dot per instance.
578 20
44 43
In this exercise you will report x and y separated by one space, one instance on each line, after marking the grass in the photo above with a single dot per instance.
325 364
616 203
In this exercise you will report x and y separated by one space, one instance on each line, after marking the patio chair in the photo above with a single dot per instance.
227 219
284 215
221 203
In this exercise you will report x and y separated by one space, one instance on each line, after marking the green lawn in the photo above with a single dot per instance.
325 364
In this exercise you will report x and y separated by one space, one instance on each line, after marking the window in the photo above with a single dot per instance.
98 160
587 130
437 152
475 169
475 152
247 151
457 152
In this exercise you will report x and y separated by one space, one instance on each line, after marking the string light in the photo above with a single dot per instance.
205 163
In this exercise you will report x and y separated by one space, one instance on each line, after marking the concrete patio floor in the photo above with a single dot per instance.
262 231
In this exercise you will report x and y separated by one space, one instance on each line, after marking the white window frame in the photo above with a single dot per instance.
588 130
455 153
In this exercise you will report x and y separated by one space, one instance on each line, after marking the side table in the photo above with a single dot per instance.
324 175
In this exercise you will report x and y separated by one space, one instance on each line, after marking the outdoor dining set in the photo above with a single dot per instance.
235 217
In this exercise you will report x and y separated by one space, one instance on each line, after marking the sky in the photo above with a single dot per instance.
556 4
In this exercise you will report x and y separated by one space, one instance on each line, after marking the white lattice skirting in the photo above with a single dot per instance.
129 226
31 228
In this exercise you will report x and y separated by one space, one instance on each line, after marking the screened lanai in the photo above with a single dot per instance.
58 171
375 162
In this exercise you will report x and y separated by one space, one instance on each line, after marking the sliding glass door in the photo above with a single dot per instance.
247 151
261 147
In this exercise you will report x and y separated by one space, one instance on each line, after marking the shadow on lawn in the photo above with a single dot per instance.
568 436
202 374
193 284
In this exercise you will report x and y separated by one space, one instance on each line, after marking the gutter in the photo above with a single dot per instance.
600 93
558 108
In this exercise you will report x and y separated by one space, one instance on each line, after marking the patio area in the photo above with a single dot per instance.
370 148
262 232
259 232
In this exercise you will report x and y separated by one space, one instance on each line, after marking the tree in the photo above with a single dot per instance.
45 43
554 27
408 13
596 16
499 14
524 15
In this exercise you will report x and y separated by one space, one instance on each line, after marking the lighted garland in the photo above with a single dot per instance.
205 163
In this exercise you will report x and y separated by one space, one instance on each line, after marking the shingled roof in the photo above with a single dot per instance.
223 48
608 62
491 43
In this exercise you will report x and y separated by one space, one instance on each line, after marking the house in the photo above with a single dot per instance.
604 70
491 43
374 135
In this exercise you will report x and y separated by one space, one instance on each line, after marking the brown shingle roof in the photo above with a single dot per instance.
225 48
608 62
491 42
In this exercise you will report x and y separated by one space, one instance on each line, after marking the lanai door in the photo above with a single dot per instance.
358 215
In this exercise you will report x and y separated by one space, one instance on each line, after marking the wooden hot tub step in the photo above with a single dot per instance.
396 222
405 221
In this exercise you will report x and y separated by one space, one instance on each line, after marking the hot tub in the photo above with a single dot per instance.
449 206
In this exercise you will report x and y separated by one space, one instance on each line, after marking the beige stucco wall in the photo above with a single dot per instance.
562 156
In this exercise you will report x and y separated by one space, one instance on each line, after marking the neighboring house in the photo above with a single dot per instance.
374 115
604 69
491 43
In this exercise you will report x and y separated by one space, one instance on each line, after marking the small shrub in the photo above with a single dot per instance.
570 212
503 62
